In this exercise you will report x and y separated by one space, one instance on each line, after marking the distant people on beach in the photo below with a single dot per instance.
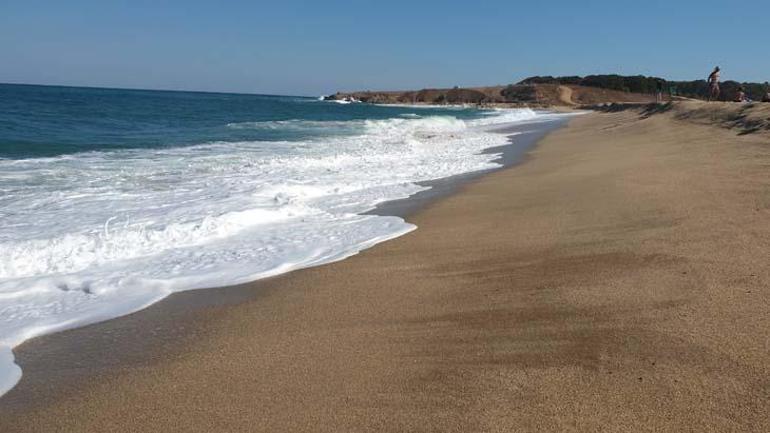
766 96
740 96
714 84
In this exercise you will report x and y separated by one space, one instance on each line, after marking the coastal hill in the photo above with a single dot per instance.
548 91
695 89
544 95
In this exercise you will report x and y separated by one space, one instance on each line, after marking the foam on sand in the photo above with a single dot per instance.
93 236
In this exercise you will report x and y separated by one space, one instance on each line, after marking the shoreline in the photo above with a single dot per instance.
39 355
522 138
616 282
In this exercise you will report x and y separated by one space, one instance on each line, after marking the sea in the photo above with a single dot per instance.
111 200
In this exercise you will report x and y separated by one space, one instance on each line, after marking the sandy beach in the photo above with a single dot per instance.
617 281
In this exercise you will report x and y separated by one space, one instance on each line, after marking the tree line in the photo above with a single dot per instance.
642 84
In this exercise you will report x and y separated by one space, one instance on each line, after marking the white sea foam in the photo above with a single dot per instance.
343 101
428 106
298 124
93 236
497 116
10 373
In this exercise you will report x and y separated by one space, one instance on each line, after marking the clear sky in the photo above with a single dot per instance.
317 47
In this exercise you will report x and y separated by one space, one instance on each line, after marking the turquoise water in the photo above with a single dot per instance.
49 120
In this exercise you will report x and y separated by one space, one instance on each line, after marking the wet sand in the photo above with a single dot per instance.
616 281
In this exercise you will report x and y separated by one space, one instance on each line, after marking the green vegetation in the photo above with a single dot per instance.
519 93
643 84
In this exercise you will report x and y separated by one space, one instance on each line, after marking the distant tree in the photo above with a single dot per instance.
519 93
457 95
539 80
644 84
574 80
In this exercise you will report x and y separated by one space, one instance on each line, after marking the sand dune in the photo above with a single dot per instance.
565 95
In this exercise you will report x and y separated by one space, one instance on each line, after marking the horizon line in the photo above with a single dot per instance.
4 83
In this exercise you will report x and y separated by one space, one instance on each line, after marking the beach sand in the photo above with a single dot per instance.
616 281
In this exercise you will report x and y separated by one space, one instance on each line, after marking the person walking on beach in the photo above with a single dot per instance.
714 84
766 97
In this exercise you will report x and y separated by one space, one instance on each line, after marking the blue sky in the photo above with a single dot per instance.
317 47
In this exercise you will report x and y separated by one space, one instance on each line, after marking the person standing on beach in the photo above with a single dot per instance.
659 91
714 84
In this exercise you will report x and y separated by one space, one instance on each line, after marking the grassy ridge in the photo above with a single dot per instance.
697 89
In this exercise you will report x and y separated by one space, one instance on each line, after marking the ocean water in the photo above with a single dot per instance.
111 200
